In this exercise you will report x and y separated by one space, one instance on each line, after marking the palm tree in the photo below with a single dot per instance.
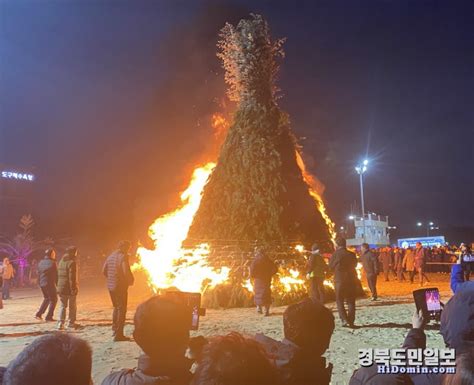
23 245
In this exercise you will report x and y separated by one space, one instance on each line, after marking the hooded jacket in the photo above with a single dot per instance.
67 276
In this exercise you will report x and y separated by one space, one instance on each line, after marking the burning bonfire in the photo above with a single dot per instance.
257 191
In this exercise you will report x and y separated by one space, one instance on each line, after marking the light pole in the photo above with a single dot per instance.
361 169
429 226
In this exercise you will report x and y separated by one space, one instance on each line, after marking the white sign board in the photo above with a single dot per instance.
18 176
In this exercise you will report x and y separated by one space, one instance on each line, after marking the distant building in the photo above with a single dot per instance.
16 196
375 227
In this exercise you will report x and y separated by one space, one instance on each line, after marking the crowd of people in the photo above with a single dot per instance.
404 264
170 356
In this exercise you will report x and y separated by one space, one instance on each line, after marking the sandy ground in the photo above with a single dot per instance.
380 324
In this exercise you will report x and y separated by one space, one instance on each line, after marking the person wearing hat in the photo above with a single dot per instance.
68 288
119 277
316 272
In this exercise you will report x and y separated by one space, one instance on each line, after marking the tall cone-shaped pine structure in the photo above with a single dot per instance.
257 190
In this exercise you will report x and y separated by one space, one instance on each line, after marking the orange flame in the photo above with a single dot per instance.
314 189
169 264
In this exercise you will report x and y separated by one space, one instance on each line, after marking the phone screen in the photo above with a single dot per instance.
432 300
428 301
195 318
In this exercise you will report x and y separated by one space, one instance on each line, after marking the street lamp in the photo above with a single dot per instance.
351 217
361 169
429 226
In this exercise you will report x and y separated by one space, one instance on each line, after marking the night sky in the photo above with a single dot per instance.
111 102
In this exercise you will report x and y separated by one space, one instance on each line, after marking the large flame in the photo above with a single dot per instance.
315 190
170 264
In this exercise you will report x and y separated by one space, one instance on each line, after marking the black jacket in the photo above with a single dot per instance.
47 272
343 262
148 373
117 271
370 263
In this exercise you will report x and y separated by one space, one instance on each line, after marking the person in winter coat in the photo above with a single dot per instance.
397 263
371 267
457 329
161 330
262 270
420 259
343 263
7 274
68 288
119 277
316 272
409 263
457 277
48 279
308 326
386 261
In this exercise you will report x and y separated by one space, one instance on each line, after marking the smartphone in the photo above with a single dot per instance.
428 301
192 301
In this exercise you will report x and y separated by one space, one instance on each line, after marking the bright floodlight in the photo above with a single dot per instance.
351 217
342 227
431 223
419 224
362 167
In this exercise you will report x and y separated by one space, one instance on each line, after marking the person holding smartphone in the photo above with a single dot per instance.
458 281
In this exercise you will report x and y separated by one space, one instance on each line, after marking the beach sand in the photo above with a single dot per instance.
380 324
